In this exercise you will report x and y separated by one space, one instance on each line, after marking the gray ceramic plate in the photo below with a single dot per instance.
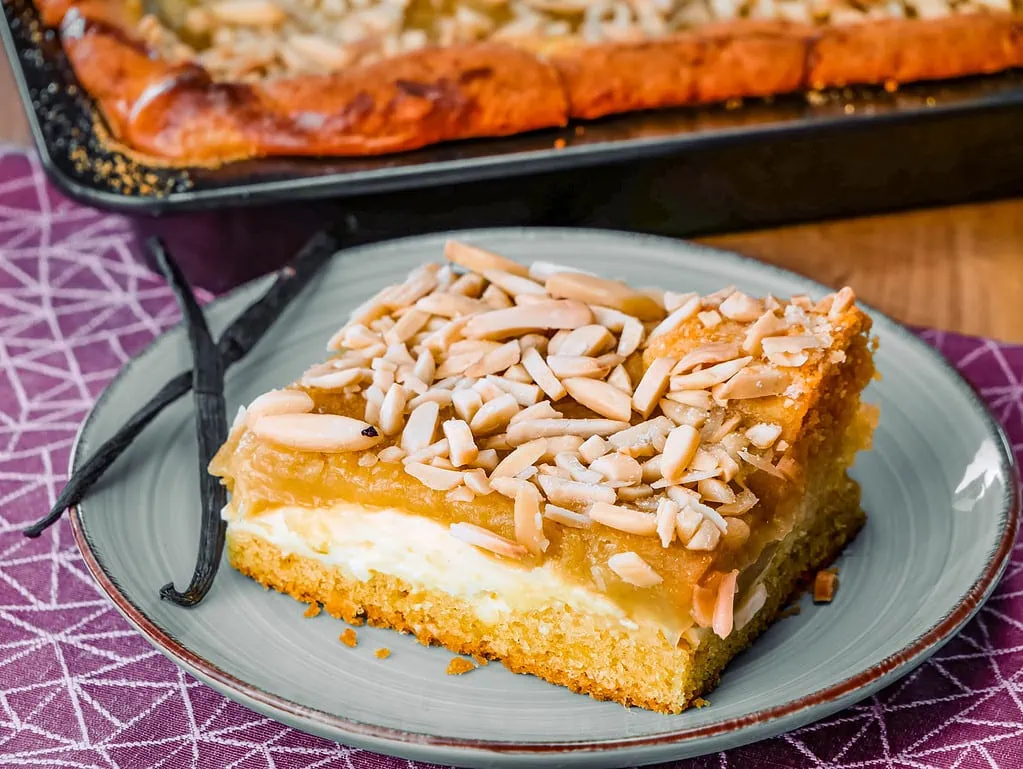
939 487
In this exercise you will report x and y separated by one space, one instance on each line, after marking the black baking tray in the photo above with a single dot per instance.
678 172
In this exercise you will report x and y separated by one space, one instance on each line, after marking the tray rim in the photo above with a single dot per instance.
430 748
422 176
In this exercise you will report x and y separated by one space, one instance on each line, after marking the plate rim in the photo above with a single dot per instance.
874 677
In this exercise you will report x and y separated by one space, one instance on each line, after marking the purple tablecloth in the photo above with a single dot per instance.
78 688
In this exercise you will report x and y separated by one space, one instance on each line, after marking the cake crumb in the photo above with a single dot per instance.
559 144
480 661
789 611
382 653
458 666
312 610
824 586
348 638
700 702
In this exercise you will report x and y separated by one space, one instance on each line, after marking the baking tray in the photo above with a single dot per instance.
678 172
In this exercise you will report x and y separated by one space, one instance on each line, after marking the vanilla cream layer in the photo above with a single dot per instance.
361 541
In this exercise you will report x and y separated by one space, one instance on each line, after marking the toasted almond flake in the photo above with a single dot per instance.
392 410
761 464
466 403
557 472
435 478
561 444
457 364
754 381
576 470
451 305
496 299
336 380
460 494
674 300
574 366
620 378
741 307
687 523
675 319
652 469
572 493
368 460
593 448
715 490
635 494
600 397
613 320
598 579
681 414
381 364
722 430
767 325
438 449
519 320
470 284
667 515
508 486
825 584
441 397
425 368
606 293
618 469
844 299
642 440
487 459
442 462
514 285
442 339
736 535
588 340
566 517
710 514
554 345
782 446
407 327
248 13
487 540
724 606
529 521
652 386
633 570
541 410
624 518
354 337
542 271
278 402
706 538
697 399
479 260
537 341
679 450
488 390
524 394
529 429
383 379
709 318
497 442
537 368
763 435
329 433
773 345
399 355
462 447
749 607
788 359
522 457
745 500
494 415
420 427
476 481
503 357
518 374
728 466
714 352
391 455
708 377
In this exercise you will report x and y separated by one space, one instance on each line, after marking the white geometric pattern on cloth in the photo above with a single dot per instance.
79 688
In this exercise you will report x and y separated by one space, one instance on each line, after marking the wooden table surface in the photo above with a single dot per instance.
958 268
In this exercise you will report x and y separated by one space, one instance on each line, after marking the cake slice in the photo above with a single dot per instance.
612 489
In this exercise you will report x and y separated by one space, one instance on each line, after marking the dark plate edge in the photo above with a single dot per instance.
875 677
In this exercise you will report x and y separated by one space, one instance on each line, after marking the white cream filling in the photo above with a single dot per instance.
421 552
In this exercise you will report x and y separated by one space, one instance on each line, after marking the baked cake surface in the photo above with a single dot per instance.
613 489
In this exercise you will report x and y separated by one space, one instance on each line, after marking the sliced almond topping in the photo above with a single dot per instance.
737 533
633 570
752 382
420 427
524 394
541 410
479 260
606 293
722 430
487 459
624 519
471 284
477 482
681 414
715 352
542 271
461 445
488 540
652 386
329 433
675 319
631 337
537 368
667 515
642 440
763 435
706 538
336 380
278 402
518 374
652 469
697 399
496 299
709 318
613 320
435 478
573 366
767 325
620 378
457 364
466 403
566 517
498 442
576 470
488 390
451 305
562 444
715 299
789 344
844 299
392 410
508 486
598 396
728 466
529 521
382 378
503 357
529 429
715 490
514 285
537 341
554 345
425 368
441 397
788 359
407 326
708 377
522 457
679 450
635 494
572 493
752 604
428 453
618 469
494 415
516 321
442 339
593 448
741 307
354 337
687 523
460 494
745 501
761 464
723 608
372 412
391 455
248 13
673 300
588 340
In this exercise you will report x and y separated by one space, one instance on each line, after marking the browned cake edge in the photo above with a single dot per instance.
587 654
